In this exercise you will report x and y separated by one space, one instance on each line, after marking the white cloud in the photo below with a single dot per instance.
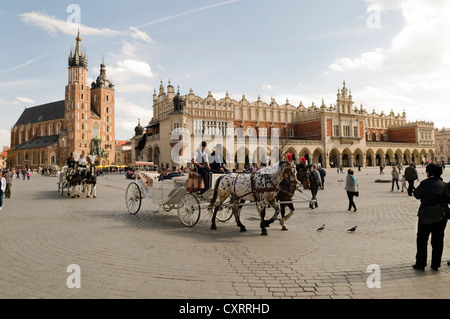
4 138
128 113
128 49
140 35
412 73
421 45
130 69
25 100
269 87
54 26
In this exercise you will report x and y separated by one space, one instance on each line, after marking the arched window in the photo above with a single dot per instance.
18 158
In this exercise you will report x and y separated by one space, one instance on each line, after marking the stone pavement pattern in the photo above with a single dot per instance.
152 255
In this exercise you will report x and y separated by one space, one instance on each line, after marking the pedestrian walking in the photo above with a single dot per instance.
433 194
411 176
381 169
315 183
352 188
403 181
2 189
28 174
9 176
395 176
322 173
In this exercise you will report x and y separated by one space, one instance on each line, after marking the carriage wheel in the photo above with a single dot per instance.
133 198
189 210
225 212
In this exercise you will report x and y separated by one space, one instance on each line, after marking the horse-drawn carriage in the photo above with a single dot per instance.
80 178
168 194
223 201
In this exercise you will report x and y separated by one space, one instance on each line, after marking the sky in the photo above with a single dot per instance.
392 54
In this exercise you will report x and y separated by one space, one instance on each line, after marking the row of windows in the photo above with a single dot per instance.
346 131
96 99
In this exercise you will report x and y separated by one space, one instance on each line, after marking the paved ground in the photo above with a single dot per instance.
152 255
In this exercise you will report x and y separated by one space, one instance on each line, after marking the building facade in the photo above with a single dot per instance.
83 122
442 137
255 132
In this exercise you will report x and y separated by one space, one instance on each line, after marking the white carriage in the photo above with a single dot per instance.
171 194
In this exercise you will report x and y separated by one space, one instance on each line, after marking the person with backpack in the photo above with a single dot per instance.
315 183
322 173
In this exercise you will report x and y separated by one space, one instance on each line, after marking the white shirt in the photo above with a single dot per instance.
3 182
198 154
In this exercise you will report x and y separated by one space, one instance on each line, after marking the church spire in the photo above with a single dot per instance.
78 58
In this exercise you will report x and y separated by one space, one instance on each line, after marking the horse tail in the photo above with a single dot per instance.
216 188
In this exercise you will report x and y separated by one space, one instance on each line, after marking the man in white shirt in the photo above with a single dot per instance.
201 163
82 161
2 189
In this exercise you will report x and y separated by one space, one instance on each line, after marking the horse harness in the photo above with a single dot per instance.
257 190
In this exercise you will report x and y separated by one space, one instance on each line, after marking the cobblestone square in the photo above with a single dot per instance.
152 255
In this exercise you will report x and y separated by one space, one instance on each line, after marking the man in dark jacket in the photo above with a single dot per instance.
410 176
431 192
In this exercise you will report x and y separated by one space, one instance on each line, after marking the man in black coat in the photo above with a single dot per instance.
410 176
431 192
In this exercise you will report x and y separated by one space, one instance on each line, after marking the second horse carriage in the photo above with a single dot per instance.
79 178
178 193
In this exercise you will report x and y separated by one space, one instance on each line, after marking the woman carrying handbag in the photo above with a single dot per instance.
352 188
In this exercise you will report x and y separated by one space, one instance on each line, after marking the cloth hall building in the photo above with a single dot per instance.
338 134
83 122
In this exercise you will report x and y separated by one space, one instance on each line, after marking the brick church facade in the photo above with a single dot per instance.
83 122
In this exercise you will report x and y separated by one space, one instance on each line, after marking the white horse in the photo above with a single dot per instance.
260 187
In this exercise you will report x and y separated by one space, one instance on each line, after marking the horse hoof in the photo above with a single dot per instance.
213 227
284 228
95 196
78 196
243 229
264 233
87 196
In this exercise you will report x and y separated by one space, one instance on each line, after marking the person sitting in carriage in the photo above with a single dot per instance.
70 161
218 163
82 161
201 163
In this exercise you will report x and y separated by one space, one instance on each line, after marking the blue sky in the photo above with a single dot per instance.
393 54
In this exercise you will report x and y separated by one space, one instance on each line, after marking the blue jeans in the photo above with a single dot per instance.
1 198
395 180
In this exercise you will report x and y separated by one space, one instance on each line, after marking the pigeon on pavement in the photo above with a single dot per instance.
352 229
321 228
